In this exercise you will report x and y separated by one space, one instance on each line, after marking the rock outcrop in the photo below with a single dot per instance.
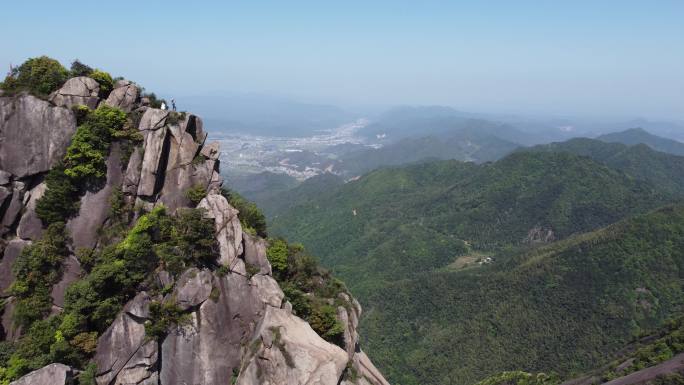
53 374
236 326
80 90
285 350
123 96
94 207
34 134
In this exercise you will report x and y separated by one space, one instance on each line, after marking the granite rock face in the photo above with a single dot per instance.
53 374
117 348
34 134
79 90
94 208
228 230
290 352
30 226
123 96
235 325
12 251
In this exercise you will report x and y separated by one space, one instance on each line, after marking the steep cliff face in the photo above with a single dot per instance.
233 322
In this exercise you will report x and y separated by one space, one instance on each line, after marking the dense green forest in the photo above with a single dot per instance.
636 136
563 308
468 270
640 161
395 222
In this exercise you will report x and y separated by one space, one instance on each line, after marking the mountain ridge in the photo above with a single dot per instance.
126 261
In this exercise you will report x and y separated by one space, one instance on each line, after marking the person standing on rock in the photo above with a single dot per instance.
163 106
173 104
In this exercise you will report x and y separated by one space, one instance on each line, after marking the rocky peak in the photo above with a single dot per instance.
234 322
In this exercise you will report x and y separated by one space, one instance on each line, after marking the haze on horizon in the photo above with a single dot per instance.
608 58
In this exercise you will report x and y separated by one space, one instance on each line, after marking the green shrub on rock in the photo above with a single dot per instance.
196 193
311 290
39 76
87 154
277 255
37 268
80 69
162 317
60 200
84 164
251 217
105 80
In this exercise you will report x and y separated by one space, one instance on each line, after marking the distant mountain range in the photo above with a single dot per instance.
638 135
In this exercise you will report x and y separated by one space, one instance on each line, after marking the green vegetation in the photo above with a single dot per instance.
520 378
79 69
263 188
87 153
251 217
196 193
39 76
565 307
400 238
114 274
639 161
635 136
162 317
308 288
104 79
175 117
648 351
84 164
36 270
394 223
60 200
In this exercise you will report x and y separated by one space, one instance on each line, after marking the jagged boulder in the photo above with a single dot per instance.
184 169
30 226
34 134
193 288
12 251
228 231
287 351
72 272
118 345
206 349
13 209
211 150
153 119
132 174
255 253
156 148
53 374
79 90
95 205
10 331
366 372
123 96
193 125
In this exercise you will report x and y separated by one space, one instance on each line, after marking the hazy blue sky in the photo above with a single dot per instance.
594 57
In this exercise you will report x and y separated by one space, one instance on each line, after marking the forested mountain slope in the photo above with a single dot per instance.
471 269
638 135
394 222
639 160
565 307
